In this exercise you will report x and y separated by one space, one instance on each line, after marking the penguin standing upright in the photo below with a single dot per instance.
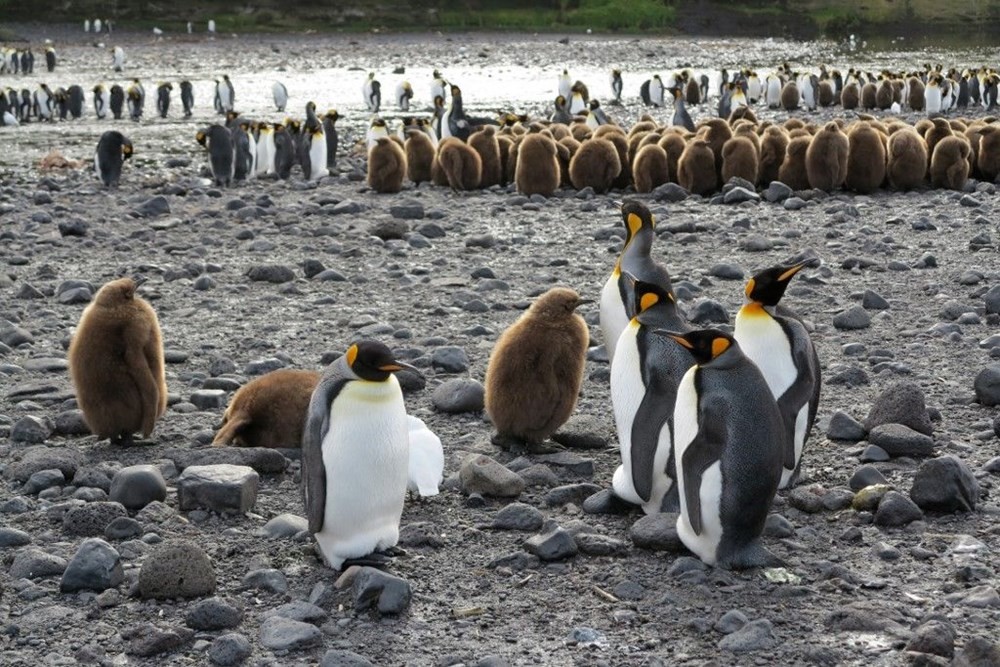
404 93
681 116
645 374
728 447
219 142
74 101
579 98
44 102
616 86
617 307
775 339
225 95
439 87
280 95
244 151
312 150
187 98
50 59
284 152
116 101
265 149
656 91
371 91
163 98
112 151
136 97
330 132
118 59
355 455
565 87
454 118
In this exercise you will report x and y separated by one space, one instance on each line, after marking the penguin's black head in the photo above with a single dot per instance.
646 295
201 137
310 106
704 344
768 286
126 149
372 361
636 216
332 115
456 91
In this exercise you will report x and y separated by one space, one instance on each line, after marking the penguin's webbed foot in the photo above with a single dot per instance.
122 440
374 559
751 556
516 445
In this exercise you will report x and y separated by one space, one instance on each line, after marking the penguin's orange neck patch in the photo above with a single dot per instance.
754 309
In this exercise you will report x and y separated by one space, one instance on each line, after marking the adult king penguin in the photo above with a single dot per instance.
635 260
112 150
371 90
102 101
225 95
219 142
645 374
330 131
187 98
775 339
728 447
355 455
404 93
616 86
280 95
312 150
681 116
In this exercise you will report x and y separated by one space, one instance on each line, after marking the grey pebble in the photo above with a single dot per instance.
731 621
96 565
344 658
483 475
43 479
657 532
753 636
283 526
147 640
866 475
553 543
987 385
934 637
945 484
899 440
581 431
844 427
123 528
208 399
727 272
459 395
855 317
35 563
214 613
12 537
896 510
777 192
137 486
709 311
283 634
874 454
267 579
230 649
271 273
30 429
450 359
374 589
871 300
299 610
518 516
570 493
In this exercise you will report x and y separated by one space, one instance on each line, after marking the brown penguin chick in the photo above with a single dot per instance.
739 159
484 141
595 165
696 168
974 135
559 130
650 169
642 126
883 94
772 153
650 138
826 159
923 125
419 152
634 142
461 165
268 411
790 96
950 163
850 96
793 168
116 364
673 143
800 132
605 130
536 368
580 131
717 133
865 159
537 167
936 133
825 94
915 96
742 113
958 125
794 124
618 140
897 90
386 166
692 92
907 160
747 129
564 155
869 96
506 145
988 155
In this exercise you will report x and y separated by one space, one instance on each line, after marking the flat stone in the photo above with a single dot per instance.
570 462
271 273
570 493
739 195
153 207
855 317
945 484
214 613
137 486
777 192
283 526
844 427
35 563
754 636
30 429
299 610
39 458
864 476
518 516
95 566
264 460
670 192
553 543
459 395
934 637
283 634
593 544
450 359
12 537
266 579
43 479
727 272
373 588
147 640
176 569
657 532
220 488
899 440
581 432
208 399
344 658
483 475
977 652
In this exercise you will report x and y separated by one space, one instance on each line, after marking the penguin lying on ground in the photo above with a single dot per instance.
269 411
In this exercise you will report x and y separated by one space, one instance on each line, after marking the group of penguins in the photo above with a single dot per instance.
710 424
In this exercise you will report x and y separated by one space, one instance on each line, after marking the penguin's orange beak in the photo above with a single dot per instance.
399 366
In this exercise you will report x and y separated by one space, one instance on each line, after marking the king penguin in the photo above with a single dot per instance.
371 91
112 150
280 95
728 447
102 101
681 116
775 339
355 455
163 98
219 142
187 98
404 93
635 260
330 131
616 86
645 374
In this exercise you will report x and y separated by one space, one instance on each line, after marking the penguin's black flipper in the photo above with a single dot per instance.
796 396
650 420
704 451
313 470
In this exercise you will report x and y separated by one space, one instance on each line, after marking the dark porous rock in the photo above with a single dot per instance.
373 588
95 566
987 385
934 637
581 432
30 429
899 440
896 510
450 359
901 403
518 516
570 493
754 636
299 610
91 519
945 484
39 458
283 634
230 649
670 192
35 563
855 317
553 543
153 207
262 459
864 476
43 479
657 532
176 569
137 486
844 427
487 477
220 488
271 273
214 613
283 525
344 658
977 652
266 579
147 640
459 395
70 422
847 376
389 229
123 528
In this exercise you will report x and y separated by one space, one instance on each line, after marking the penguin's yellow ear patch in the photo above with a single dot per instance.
647 301
634 223
351 354
719 345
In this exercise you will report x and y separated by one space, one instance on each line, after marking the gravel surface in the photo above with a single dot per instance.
875 575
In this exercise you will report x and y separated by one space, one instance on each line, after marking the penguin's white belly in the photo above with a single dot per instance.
426 465
627 391
773 93
706 544
764 341
613 317
801 423
252 171
265 154
932 100
317 157
366 457
577 105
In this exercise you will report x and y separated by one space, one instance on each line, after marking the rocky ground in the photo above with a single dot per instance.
505 566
